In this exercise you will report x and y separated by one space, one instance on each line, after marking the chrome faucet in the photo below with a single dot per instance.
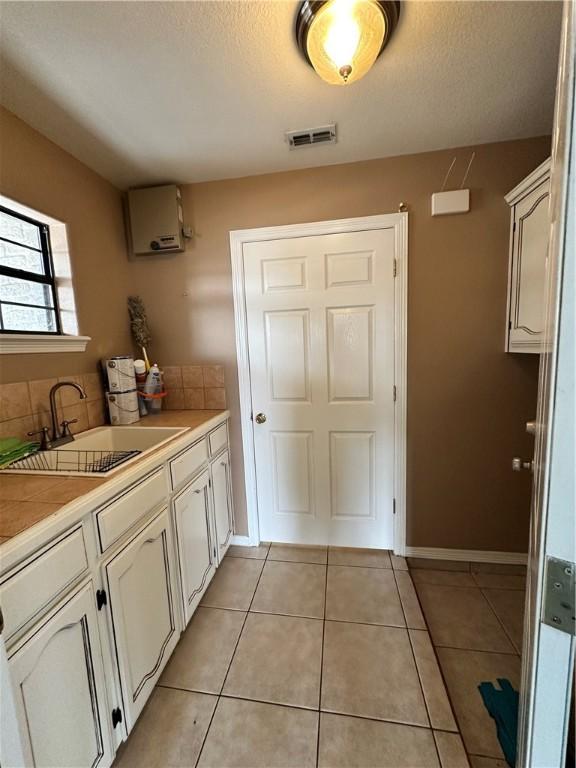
65 436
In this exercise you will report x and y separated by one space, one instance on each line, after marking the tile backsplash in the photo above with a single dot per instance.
25 406
194 387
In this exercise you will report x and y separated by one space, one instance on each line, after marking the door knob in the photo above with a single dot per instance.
519 464
260 418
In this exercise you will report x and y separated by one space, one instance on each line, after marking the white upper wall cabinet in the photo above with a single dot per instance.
529 232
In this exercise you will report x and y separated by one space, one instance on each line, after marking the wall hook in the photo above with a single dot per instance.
402 207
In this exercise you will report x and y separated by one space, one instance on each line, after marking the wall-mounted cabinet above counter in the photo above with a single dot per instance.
529 234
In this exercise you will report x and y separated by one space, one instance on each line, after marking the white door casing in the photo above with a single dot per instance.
320 326
549 648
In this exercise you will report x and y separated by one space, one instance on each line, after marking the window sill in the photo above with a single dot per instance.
34 343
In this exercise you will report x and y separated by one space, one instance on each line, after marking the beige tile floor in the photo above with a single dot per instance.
475 614
309 656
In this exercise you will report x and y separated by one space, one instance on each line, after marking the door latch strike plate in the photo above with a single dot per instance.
560 595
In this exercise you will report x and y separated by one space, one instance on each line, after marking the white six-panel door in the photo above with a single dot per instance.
320 326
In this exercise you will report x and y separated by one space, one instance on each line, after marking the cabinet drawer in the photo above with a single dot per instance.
218 439
185 466
33 585
123 512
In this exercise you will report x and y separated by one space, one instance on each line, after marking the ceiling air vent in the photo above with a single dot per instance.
326 134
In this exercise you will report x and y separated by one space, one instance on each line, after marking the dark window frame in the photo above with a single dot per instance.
48 278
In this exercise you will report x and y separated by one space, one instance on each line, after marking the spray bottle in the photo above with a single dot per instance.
153 386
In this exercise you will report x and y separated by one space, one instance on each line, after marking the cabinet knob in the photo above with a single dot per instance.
260 418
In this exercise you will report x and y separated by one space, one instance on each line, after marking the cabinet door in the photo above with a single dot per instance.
59 689
196 547
529 253
223 509
141 600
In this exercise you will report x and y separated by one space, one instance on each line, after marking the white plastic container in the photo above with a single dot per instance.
153 386
121 375
123 407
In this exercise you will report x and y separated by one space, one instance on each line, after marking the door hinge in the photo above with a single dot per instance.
558 608
514 227
101 598
394 392
209 482
395 267
214 553
116 717
393 506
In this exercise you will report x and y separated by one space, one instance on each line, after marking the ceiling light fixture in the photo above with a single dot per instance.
342 39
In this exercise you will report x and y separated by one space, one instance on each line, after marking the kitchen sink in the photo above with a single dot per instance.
141 439
96 452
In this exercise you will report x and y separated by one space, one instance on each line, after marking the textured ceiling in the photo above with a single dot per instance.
189 91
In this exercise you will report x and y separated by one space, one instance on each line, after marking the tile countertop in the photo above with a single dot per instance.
27 499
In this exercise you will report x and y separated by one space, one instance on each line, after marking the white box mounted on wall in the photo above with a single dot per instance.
454 201
155 220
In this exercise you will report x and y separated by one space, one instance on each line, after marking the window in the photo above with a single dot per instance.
28 295
37 303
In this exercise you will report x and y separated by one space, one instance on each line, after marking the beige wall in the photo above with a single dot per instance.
467 400
37 173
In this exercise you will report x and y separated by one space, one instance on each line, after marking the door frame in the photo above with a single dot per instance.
397 221
548 653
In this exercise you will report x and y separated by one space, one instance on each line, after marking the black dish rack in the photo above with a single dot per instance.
97 462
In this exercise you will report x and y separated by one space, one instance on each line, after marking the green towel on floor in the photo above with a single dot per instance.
503 708
12 449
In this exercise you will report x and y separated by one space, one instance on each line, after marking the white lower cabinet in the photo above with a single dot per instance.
58 683
222 495
197 554
141 602
83 661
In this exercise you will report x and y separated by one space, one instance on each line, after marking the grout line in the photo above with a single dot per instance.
512 643
230 662
321 664
337 621
399 594
426 707
215 608
475 650
332 712
355 565
307 562
446 689
188 690
378 719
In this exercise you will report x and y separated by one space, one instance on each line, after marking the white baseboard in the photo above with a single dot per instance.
241 541
468 555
